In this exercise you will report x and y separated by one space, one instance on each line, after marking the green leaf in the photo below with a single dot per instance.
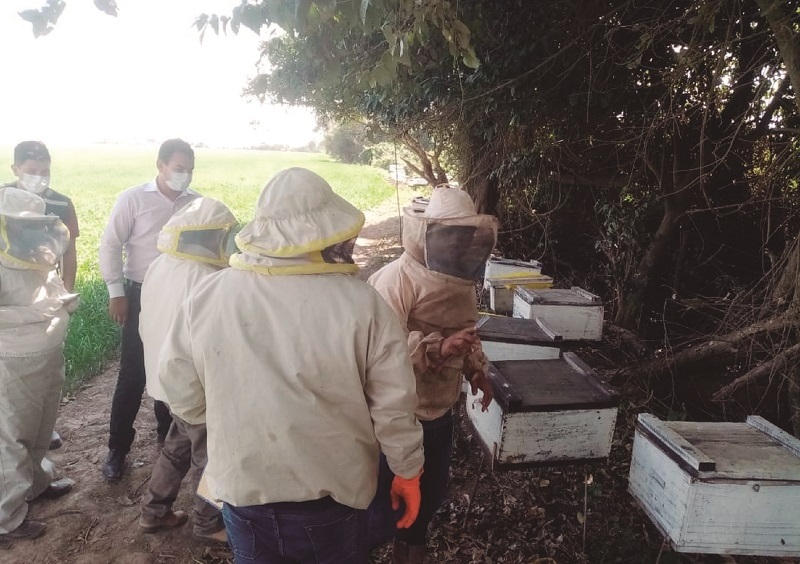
363 11
470 59
214 23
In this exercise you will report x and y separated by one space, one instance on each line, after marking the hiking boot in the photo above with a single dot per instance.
154 523
112 467
28 530
55 441
220 536
57 489
404 553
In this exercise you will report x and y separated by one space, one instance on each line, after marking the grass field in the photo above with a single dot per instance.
93 177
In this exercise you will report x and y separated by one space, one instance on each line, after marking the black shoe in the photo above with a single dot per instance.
55 441
112 468
57 489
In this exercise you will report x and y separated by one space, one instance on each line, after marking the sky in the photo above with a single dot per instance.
141 77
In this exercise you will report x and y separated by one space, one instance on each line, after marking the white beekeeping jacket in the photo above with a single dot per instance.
195 242
34 305
300 372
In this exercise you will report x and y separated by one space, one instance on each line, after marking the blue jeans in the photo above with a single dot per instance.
321 531
438 444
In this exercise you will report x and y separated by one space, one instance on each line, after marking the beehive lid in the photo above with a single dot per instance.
558 296
519 280
517 331
753 450
515 264
565 383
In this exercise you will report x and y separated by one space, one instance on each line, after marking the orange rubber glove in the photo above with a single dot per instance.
408 491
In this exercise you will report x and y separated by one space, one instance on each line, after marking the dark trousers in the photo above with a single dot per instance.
438 444
321 531
184 451
131 381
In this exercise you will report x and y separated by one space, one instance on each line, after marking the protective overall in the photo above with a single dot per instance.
195 242
301 374
34 313
431 289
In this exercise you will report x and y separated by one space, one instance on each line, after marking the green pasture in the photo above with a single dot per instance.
93 177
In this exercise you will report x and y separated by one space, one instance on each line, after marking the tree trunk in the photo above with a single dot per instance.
475 169
778 15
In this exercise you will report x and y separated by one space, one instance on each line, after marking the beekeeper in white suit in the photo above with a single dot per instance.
195 242
302 375
34 313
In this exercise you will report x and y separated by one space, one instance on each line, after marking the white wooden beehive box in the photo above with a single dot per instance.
719 488
503 275
502 287
508 338
545 411
574 313
497 266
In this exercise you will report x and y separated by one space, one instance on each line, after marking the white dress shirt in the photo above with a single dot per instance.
133 228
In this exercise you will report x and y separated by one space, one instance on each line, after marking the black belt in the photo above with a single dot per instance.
132 284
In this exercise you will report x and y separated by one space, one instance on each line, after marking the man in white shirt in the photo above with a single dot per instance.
127 248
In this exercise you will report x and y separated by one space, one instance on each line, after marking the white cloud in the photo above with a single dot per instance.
143 75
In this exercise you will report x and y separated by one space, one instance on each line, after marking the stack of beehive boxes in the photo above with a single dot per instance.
549 405
503 276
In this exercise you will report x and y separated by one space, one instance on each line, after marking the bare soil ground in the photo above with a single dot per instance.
544 515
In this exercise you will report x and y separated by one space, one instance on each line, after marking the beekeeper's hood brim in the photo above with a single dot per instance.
298 213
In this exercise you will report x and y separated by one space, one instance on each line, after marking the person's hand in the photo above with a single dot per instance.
408 491
481 382
460 343
118 310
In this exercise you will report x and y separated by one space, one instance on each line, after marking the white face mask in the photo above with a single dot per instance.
35 184
179 181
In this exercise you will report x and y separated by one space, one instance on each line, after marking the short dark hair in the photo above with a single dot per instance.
172 146
30 151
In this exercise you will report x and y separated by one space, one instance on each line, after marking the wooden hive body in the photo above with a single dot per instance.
573 313
719 488
545 411
508 338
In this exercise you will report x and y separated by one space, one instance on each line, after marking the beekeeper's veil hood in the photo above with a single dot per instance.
449 236
201 231
29 239
301 227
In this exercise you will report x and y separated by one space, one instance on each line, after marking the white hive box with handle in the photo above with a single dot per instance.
573 313
544 411
719 488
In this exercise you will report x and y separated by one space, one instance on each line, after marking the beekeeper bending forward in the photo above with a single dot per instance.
195 242
301 374
431 288
34 313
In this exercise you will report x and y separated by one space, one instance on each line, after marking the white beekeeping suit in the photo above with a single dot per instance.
196 241
34 313
300 371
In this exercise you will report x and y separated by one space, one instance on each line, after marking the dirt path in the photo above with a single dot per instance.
97 522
